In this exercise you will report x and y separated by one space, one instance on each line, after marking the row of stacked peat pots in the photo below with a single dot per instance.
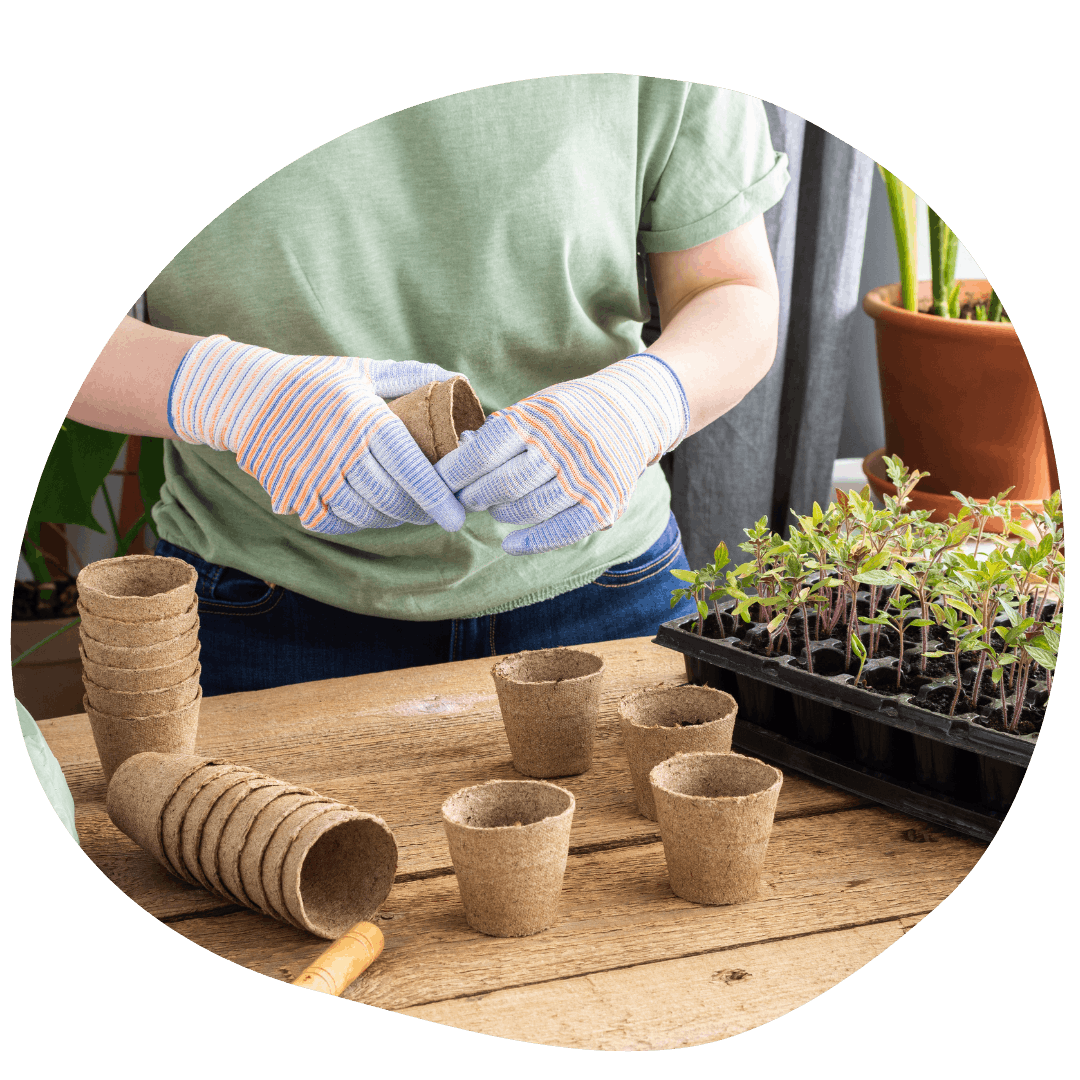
140 656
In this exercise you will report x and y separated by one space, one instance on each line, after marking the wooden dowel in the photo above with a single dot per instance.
344 961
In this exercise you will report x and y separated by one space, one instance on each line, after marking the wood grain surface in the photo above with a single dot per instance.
629 965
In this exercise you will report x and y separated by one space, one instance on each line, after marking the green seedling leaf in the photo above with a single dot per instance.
960 605
1026 534
1043 657
875 577
685 575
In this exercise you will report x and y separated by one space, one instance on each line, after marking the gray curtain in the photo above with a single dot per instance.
775 450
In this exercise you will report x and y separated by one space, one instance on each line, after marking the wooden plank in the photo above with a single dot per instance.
364 760
823 873
670 1003
422 843
399 742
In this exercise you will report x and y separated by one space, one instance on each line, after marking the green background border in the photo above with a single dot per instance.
130 131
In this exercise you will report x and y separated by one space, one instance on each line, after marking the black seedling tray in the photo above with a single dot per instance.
945 770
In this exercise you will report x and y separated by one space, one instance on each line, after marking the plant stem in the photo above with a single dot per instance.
67 543
806 638
112 513
45 641
1021 694
939 242
902 211
44 555
959 684
900 658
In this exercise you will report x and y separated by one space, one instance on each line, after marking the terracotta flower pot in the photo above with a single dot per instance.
940 506
960 400
49 681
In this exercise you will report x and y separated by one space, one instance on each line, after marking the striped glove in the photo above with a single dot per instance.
315 432
565 460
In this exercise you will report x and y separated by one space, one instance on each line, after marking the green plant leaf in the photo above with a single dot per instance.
78 463
1043 657
151 474
1026 534
685 575
876 577
902 210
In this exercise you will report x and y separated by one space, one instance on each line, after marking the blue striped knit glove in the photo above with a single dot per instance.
566 460
315 432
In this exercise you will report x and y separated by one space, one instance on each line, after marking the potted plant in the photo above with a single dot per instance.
959 398
902 658
45 657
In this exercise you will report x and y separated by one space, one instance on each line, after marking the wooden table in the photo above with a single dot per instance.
629 965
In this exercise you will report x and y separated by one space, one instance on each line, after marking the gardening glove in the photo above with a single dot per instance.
565 460
315 432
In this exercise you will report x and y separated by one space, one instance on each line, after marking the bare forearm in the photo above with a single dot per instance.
719 311
721 344
127 389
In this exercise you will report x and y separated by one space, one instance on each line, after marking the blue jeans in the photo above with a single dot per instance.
255 635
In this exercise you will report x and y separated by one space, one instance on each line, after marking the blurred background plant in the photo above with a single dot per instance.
75 475
944 245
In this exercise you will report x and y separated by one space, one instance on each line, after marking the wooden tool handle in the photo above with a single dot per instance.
343 962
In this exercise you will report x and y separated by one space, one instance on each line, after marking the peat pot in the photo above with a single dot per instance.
716 814
509 841
550 700
661 721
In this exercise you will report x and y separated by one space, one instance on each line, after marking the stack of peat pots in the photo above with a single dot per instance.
288 852
140 656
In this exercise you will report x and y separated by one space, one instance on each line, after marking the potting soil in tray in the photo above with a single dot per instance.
901 749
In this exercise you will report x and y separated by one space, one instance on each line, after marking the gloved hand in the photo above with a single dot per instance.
566 460
315 432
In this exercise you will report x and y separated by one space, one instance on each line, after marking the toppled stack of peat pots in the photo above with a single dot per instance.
286 851
140 656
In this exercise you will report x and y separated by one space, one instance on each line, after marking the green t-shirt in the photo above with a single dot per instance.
500 233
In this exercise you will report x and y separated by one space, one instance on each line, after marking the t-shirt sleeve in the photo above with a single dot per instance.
721 173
